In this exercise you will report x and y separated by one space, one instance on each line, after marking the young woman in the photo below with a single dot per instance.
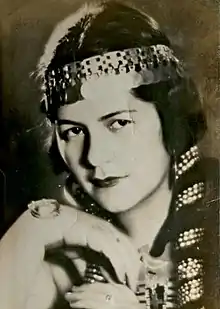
125 120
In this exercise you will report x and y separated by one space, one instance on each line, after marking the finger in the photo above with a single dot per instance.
81 296
132 260
69 296
127 254
91 301
102 241
97 287
130 257
79 305
77 297
88 304
108 278
132 265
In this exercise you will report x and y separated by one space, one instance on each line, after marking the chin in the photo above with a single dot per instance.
116 205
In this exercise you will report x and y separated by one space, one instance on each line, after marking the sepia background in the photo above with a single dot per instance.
25 171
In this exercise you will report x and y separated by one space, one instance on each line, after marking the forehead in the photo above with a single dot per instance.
116 84
104 95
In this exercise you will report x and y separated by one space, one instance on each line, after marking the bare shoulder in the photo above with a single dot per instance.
16 229
40 209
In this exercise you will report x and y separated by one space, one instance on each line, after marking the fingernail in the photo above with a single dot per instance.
68 294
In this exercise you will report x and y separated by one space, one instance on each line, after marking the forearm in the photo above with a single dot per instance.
20 256
22 251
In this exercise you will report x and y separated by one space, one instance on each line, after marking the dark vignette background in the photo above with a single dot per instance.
25 171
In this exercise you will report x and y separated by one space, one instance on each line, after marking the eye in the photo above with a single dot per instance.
71 133
118 124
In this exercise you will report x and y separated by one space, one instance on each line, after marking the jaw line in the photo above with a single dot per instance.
149 195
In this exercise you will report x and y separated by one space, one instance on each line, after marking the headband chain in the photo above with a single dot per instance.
155 63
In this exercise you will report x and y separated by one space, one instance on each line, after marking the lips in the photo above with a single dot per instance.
105 183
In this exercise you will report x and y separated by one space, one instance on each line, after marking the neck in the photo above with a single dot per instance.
144 221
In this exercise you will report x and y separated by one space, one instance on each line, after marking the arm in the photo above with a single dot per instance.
20 259
22 253
23 247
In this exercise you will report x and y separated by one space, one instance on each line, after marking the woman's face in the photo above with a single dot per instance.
112 142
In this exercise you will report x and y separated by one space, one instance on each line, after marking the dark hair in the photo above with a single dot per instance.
117 27
120 27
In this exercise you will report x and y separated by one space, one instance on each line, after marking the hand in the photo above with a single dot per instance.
102 295
77 228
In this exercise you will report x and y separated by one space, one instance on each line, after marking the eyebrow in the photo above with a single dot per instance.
102 118
107 116
67 121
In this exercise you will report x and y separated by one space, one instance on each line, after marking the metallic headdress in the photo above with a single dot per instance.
154 63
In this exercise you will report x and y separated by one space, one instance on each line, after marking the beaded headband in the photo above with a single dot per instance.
154 63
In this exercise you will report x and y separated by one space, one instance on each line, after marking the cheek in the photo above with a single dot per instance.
145 149
72 154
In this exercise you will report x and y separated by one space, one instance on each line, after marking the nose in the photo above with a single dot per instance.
100 150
